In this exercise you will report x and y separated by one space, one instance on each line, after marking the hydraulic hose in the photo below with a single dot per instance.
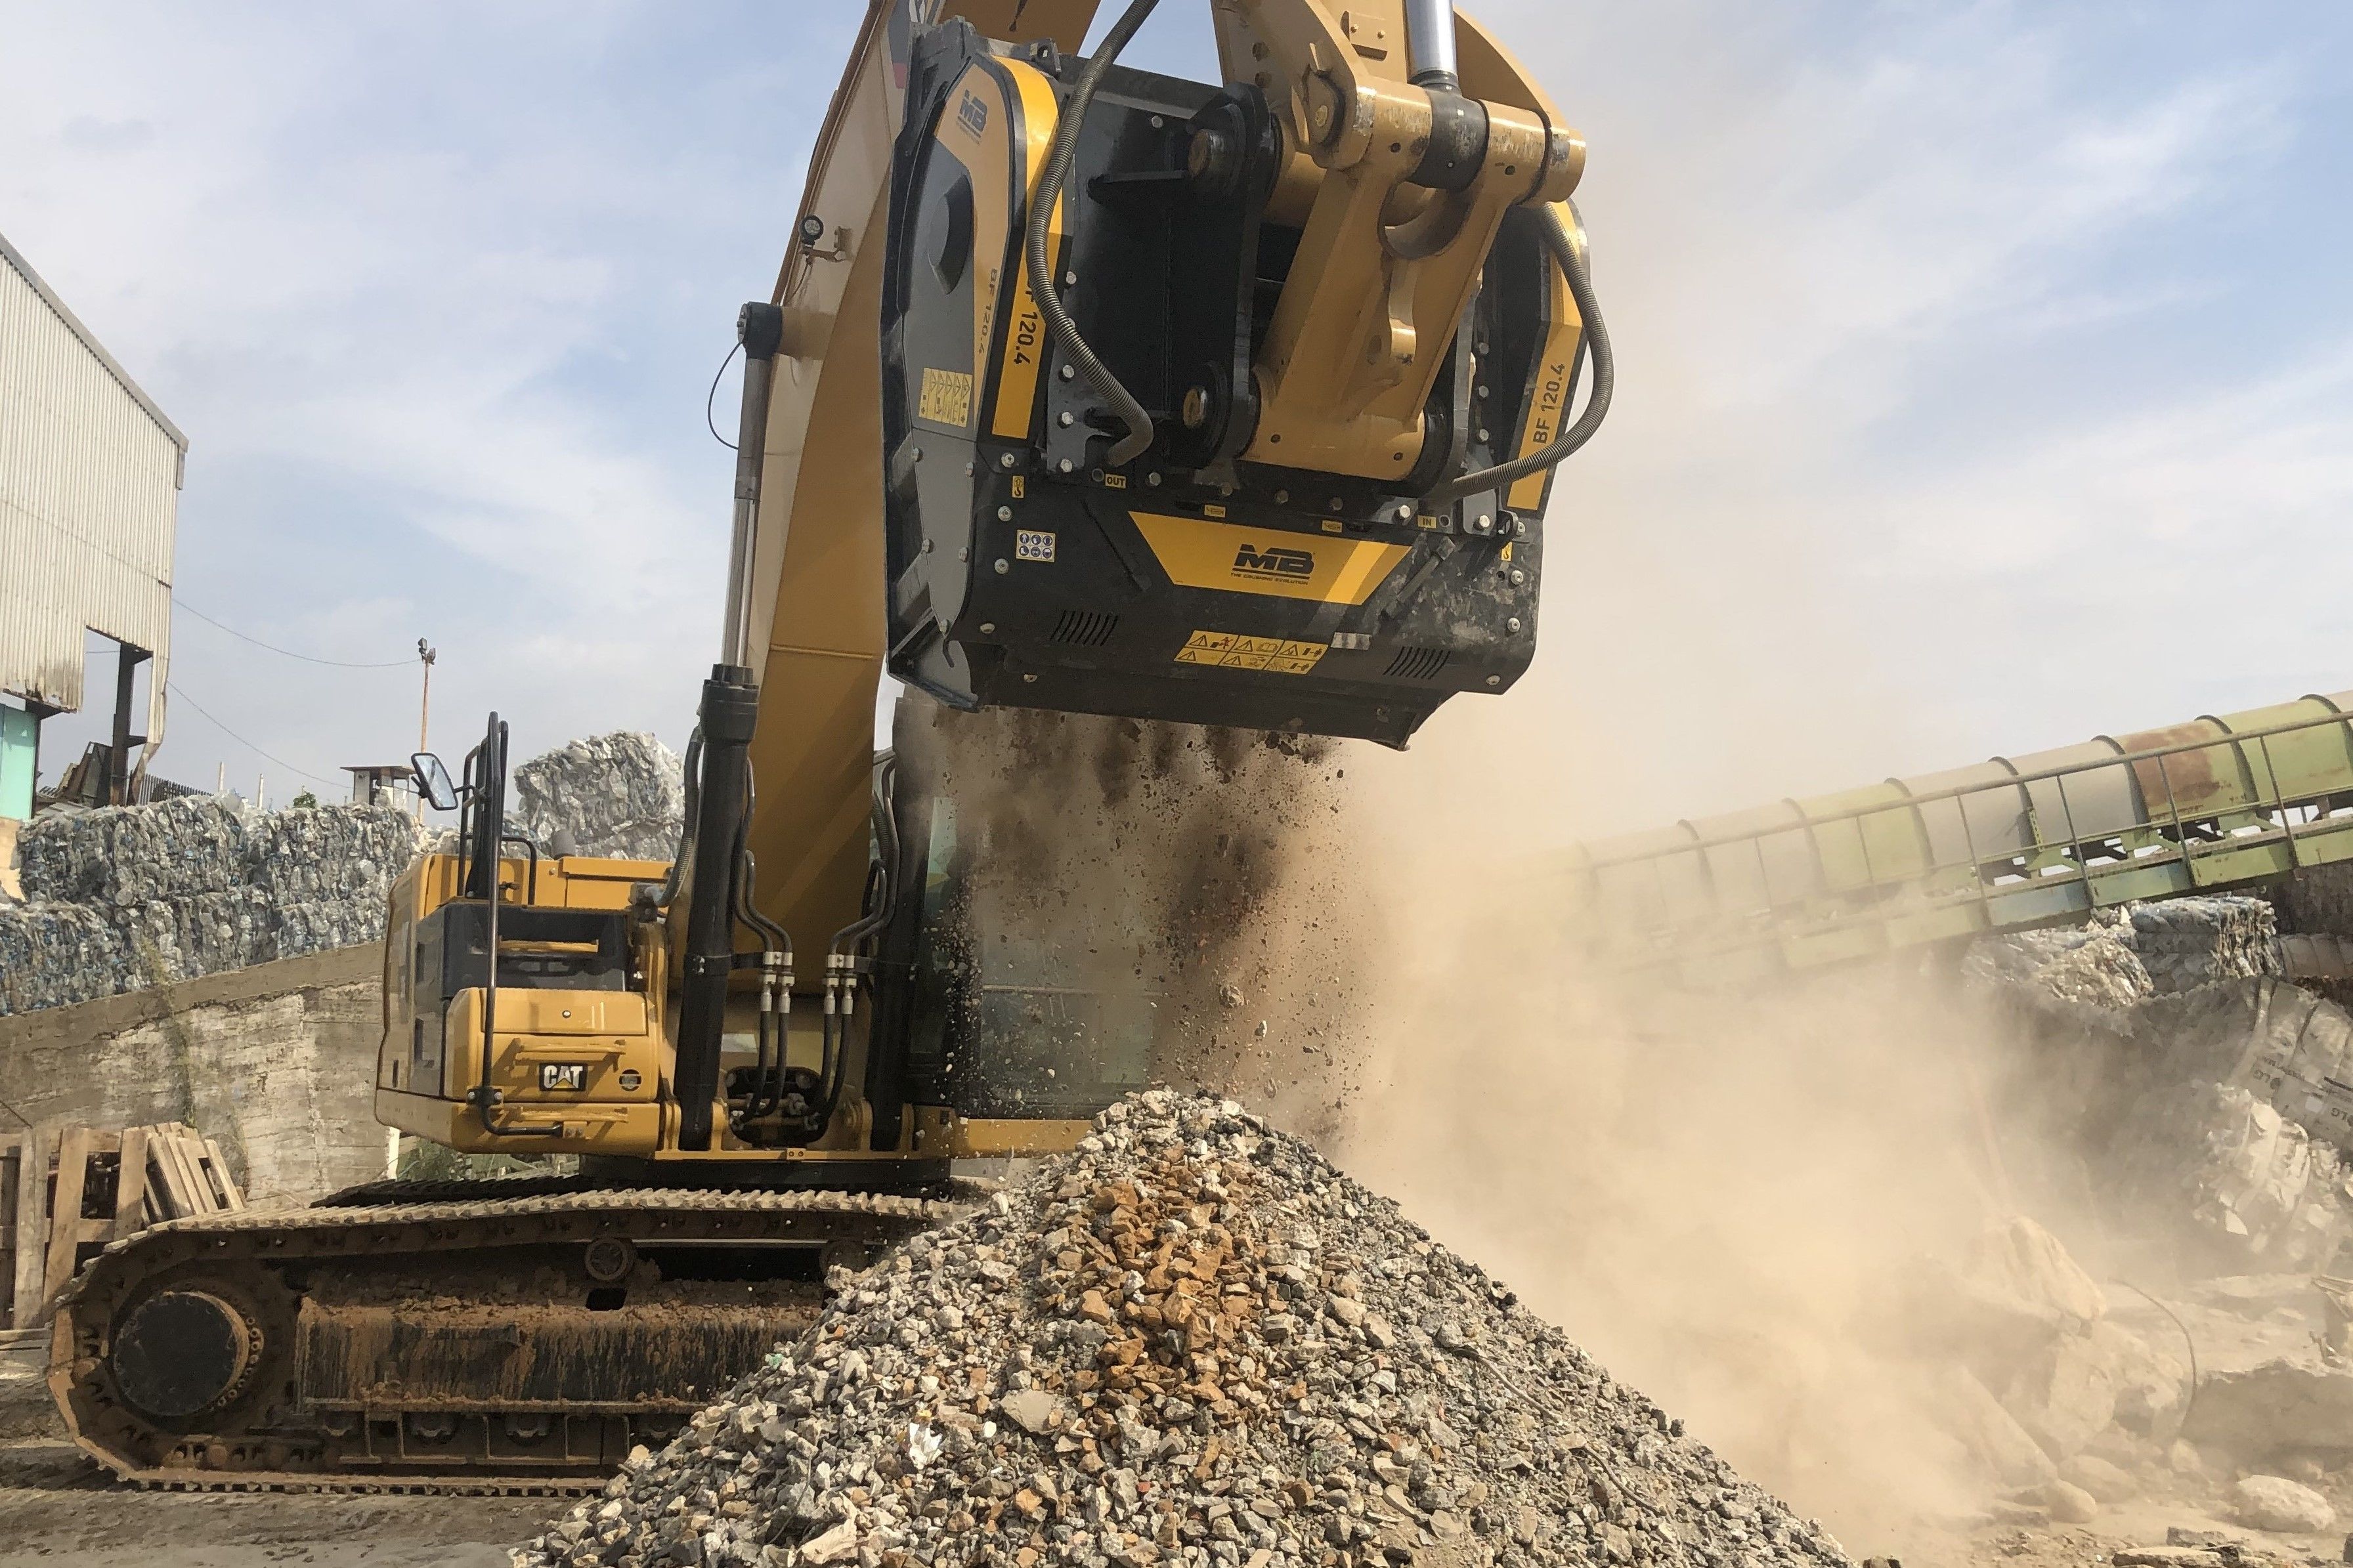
776 976
1569 253
841 975
692 814
1041 266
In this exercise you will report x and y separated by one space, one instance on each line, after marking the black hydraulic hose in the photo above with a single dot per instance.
1569 253
693 813
489 774
1041 266
768 1090
880 901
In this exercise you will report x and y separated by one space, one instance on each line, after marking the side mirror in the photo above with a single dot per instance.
433 781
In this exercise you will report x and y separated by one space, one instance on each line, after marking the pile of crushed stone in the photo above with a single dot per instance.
1192 1340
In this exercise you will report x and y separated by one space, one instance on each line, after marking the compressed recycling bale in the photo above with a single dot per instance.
2092 965
124 855
1189 1342
621 795
2184 944
2120 958
344 853
131 897
55 954
327 923
2217 1168
183 938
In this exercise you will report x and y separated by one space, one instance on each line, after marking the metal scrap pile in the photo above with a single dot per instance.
131 897
2207 1095
128 898
2125 956
1191 1341
622 794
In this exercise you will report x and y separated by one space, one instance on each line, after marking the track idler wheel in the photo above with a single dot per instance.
184 1351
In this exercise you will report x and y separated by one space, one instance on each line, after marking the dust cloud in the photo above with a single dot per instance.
1720 1198
1723 1198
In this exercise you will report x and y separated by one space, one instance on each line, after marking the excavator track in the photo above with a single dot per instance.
494 1338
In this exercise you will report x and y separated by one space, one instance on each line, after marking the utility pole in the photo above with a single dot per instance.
425 655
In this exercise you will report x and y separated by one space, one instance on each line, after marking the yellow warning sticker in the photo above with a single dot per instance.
1231 650
947 398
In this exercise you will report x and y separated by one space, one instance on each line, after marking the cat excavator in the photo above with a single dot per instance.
1082 390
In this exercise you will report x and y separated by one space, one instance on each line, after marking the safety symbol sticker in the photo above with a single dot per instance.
1033 544
1231 650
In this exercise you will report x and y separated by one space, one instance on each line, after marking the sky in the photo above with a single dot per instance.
1986 371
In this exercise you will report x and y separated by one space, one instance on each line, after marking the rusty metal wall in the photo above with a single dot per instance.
90 474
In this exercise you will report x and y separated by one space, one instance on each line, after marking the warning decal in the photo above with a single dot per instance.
947 398
1231 650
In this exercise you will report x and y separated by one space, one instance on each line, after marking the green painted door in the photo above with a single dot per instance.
20 733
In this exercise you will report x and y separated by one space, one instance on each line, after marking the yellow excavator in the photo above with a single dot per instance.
1081 390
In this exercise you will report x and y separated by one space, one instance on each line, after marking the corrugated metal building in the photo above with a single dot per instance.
90 477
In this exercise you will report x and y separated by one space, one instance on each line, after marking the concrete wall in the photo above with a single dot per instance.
276 1061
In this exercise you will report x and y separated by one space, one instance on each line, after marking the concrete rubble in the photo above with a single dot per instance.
2199 1088
1190 1341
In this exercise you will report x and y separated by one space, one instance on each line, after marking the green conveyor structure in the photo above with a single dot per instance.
2005 845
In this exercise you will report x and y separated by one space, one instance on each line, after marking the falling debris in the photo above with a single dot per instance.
1192 1340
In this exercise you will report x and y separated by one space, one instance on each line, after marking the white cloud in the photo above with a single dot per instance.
1888 484
437 296
1941 382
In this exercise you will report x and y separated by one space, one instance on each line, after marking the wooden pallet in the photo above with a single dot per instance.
67 1191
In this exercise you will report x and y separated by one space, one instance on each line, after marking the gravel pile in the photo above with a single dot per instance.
622 794
1190 1341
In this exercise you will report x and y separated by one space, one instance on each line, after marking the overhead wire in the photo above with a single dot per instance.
288 652
174 688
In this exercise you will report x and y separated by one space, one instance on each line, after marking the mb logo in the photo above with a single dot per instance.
973 113
1249 561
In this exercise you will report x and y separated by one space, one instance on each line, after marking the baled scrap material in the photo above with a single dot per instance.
128 898
621 795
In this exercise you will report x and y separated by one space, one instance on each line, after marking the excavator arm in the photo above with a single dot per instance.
1327 287
1083 389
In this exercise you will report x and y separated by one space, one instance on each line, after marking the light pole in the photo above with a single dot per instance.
425 655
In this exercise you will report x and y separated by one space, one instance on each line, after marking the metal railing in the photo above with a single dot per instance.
1845 878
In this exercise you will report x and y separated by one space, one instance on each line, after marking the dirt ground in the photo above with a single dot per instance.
55 1506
